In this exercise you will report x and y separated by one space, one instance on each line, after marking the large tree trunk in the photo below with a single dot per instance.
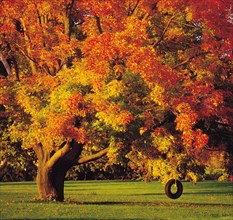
58 179
52 169
51 183
45 185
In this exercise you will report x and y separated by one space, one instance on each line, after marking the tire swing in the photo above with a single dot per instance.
168 189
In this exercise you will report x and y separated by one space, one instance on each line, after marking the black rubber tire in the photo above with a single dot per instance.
168 187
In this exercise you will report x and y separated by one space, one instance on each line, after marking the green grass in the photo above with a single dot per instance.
119 200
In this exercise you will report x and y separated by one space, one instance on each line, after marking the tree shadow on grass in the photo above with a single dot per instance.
138 203
146 194
146 203
210 193
83 218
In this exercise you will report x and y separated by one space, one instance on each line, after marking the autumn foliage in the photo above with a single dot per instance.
146 79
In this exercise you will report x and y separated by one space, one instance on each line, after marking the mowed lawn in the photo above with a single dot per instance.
119 200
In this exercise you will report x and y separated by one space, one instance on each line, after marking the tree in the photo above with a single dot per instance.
46 44
128 79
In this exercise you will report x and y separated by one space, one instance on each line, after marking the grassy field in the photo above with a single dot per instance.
117 200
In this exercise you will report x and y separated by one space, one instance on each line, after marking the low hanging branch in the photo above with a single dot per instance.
92 157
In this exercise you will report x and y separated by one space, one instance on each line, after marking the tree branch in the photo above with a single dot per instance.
6 65
131 11
65 147
93 157
183 62
189 59
98 23
164 31
28 49
69 7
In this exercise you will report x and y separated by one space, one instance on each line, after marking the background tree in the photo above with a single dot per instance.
142 80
